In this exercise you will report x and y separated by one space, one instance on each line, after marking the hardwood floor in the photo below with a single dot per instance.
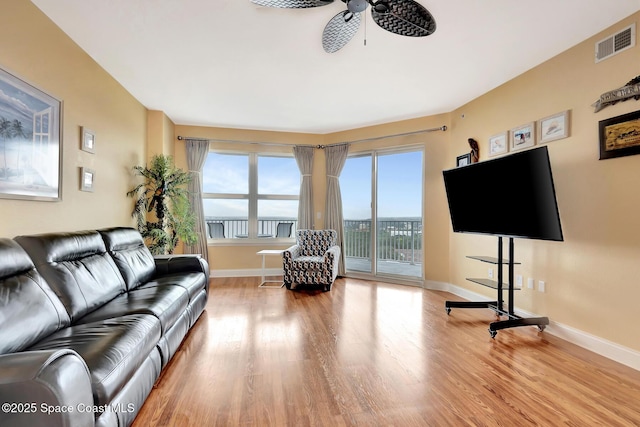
375 354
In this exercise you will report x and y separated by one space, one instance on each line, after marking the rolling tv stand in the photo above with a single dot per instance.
498 306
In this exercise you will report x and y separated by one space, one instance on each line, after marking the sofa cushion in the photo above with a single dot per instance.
166 303
113 349
77 267
29 310
130 254
193 283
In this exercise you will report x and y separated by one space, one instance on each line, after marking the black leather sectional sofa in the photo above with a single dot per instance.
88 320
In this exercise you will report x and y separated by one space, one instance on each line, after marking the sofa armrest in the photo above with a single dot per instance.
47 387
171 264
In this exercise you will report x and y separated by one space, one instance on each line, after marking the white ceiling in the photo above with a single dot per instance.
231 63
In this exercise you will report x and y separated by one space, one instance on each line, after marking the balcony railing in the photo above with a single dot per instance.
239 228
397 239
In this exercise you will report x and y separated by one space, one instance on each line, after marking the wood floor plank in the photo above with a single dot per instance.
372 353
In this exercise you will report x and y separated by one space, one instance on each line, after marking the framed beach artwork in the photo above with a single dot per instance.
522 137
30 142
553 127
620 136
498 144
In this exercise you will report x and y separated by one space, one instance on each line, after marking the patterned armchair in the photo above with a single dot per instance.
313 260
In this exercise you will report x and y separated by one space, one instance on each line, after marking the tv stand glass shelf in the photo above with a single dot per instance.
513 320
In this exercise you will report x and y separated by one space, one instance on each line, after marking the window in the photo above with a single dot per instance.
250 195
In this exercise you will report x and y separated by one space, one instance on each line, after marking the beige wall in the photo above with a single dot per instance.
34 49
592 277
160 134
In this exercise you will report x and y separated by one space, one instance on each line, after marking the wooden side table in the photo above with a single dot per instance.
263 281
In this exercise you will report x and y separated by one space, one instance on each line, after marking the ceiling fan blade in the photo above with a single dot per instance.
292 4
340 30
405 17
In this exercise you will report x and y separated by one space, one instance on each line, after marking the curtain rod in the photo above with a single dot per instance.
236 141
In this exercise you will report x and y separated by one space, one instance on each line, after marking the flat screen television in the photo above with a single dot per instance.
511 196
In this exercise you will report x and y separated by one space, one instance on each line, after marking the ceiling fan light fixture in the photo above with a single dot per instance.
357 6
347 15
381 6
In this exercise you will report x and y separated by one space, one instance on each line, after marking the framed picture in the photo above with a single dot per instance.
88 140
463 160
498 144
87 178
553 127
30 142
620 136
522 137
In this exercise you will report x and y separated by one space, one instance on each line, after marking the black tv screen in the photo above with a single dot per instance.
511 196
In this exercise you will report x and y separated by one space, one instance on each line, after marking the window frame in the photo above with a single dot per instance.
252 197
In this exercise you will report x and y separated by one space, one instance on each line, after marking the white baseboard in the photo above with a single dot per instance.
601 346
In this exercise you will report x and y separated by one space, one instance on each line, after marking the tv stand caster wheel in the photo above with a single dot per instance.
448 310
541 327
492 333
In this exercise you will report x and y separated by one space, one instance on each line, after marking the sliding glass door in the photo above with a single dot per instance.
382 203
355 187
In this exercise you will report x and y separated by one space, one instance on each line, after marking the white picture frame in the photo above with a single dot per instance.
87 179
523 136
498 144
88 140
554 127
32 145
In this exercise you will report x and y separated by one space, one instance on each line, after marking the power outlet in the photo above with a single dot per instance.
530 283
519 281
541 285
490 273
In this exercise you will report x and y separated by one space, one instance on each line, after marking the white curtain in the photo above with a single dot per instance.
336 156
304 159
197 151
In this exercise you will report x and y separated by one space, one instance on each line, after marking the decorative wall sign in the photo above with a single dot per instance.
553 127
88 140
522 137
620 136
498 144
625 93
30 143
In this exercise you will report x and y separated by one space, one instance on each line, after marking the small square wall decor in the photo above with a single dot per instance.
553 127
498 144
522 137
88 140
87 179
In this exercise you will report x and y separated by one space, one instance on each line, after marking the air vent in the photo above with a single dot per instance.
616 43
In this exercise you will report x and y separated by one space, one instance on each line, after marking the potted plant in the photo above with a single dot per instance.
162 210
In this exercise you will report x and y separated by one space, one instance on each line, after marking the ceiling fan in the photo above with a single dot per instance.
404 17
